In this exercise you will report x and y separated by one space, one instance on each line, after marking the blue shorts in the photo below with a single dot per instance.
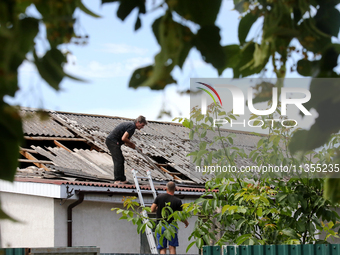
172 242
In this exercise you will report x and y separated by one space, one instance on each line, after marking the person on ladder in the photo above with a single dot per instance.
122 135
176 205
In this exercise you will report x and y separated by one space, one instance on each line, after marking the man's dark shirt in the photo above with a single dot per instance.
161 200
117 134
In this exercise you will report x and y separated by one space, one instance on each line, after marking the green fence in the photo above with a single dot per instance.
307 249
52 250
13 251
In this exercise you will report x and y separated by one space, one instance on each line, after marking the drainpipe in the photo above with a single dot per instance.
81 194
69 217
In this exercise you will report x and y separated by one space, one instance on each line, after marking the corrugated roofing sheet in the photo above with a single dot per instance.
32 125
163 142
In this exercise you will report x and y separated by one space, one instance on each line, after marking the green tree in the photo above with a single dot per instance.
260 208
18 31
256 207
304 28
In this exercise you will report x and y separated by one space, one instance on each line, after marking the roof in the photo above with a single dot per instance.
70 147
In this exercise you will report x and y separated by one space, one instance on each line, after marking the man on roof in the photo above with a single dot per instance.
119 136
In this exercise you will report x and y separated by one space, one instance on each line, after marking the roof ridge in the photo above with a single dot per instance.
124 118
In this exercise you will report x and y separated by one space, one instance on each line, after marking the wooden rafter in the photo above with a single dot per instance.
30 157
61 146
174 175
36 161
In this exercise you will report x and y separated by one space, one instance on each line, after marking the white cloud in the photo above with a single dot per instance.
123 48
95 69
179 105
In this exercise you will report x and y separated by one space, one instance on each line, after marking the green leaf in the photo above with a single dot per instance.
260 142
126 7
199 243
140 227
328 20
119 211
290 232
225 208
240 223
148 76
175 41
203 12
232 54
207 41
10 140
156 30
14 51
331 189
50 67
167 234
191 134
310 37
244 26
301 226
241 239
189 246
186 123
245 65
308 68
310 227
87 11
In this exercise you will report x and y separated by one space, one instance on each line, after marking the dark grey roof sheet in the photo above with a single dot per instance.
33 125
166 141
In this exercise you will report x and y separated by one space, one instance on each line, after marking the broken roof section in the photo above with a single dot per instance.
72 146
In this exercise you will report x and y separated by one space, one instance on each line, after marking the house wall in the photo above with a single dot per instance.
94 224
183 236
43 223
36 226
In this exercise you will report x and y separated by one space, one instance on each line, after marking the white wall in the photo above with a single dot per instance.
183 236
44 224
35 229
94 224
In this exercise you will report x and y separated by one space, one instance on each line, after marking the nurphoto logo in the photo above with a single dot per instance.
238 102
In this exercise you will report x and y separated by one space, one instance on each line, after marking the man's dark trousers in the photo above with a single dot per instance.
118 160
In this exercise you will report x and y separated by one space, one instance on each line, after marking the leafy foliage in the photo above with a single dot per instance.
18 31
138 216
259 208
299 31
291 34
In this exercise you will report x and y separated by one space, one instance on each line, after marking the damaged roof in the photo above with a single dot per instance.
70 146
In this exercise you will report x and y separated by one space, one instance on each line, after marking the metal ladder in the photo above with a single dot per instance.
148 231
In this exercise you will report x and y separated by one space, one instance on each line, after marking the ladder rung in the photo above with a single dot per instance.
142 177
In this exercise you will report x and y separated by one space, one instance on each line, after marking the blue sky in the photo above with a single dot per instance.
113 52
